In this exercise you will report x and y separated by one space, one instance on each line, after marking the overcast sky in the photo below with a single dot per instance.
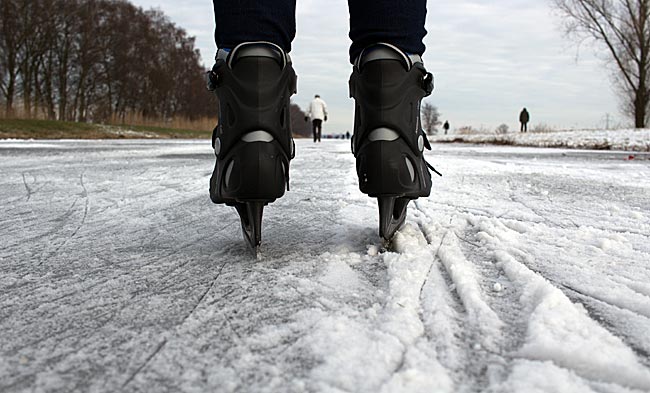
489 59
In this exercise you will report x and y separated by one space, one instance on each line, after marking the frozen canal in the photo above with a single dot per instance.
527 270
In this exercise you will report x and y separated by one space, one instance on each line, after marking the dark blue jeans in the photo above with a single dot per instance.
397 22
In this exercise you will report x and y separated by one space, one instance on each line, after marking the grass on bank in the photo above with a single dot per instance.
53 129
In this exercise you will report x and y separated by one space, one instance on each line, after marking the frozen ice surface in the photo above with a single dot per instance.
525 271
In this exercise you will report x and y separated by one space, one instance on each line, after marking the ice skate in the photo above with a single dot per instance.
388 142
252 142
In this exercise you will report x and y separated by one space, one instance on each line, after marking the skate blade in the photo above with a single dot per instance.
392 214
250 214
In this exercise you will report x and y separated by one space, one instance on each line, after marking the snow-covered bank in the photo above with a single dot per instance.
628 140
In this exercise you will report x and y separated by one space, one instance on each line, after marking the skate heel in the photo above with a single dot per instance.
387 171
256 170
255 174
386 166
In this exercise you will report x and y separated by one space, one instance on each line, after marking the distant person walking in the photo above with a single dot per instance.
446 126
317 112
524 118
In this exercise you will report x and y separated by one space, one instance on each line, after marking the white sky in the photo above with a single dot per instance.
489 59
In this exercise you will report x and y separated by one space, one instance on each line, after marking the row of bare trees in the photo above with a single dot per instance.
97 60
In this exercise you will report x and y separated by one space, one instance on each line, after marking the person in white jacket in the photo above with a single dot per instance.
317 112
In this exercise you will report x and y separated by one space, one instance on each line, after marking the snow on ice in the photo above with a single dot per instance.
633 140
525 271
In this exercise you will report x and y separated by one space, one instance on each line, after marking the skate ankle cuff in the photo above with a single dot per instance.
386 51
258 49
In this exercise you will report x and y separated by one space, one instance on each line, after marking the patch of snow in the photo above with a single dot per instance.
543 377
562 332
465 279
626 139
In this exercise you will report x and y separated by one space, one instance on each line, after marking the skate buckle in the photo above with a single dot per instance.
427 83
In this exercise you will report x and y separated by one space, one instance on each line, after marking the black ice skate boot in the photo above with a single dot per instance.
252 141
388 143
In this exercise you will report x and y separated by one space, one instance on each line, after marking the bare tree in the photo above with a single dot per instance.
501 129
430 118
623 27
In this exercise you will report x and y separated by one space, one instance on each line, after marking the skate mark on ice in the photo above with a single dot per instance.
463 245
149 358
444 318
257 310
457 304
495 325
63 219
426 339
84 195
404 318
601 312
424 205
501 294
436 259
196 305
76 291
27 187
542 215
439 235
636 310
457 316
60 223
558 331
170 277
478 357
164 342
638 287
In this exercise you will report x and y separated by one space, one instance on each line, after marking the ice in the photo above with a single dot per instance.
339 275
525 271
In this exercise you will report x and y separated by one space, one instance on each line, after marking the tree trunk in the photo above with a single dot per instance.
11 88
27 91
38 94
49 92
640 109
63 84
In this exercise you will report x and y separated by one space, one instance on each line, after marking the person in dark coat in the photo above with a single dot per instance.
524 118
446 126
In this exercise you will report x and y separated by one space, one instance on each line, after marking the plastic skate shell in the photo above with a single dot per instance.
252 142
388 142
